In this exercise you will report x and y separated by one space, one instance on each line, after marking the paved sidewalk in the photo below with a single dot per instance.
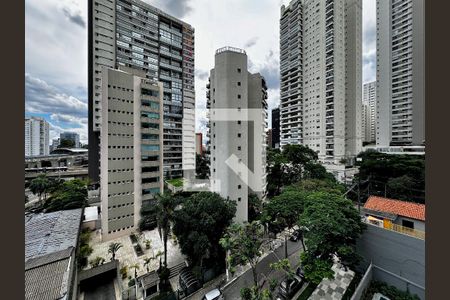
334 289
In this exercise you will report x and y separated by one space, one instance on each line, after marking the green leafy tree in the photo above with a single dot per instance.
277 175
66 143
148 216
244 243
113 248
201 166
40 186
69 195
199 224
285 266
293 164
315 268
380 168
333 225
283 211
401 187
254 207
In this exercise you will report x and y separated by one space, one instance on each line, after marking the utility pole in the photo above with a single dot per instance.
359 201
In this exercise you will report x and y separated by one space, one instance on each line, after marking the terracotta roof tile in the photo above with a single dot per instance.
398 207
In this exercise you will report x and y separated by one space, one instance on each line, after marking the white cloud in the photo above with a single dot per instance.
56 49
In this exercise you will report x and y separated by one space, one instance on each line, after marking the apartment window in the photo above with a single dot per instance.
239 96
239 187
239 135
239 148
239 122
239 83
239 199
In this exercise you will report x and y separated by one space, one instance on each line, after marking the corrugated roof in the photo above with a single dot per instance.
51 232
48 277
398 207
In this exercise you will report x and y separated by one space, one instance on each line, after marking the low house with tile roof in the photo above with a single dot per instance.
405 217
51 241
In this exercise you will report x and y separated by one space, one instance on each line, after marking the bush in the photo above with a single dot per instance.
387 290
124 272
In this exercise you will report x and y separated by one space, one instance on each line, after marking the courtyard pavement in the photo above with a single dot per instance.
333 289
127 255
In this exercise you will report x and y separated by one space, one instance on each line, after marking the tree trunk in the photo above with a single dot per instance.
165 249
255 275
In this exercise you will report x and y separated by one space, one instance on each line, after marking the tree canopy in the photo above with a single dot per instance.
70 194
199 225
244 243
291 165
201 166
332 226
396 176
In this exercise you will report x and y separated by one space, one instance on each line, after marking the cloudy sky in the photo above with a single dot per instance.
56 51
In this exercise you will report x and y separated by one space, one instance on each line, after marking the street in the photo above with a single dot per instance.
233 290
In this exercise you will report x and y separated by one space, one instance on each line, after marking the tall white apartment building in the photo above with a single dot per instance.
400 72
320 48
37 138
370 113
131 148
237 102
133 33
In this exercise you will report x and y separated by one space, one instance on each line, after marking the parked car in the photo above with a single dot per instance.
295 237
378 296
288 287
215 294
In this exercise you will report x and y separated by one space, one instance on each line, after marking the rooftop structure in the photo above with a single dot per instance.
50 276
397 207
51 232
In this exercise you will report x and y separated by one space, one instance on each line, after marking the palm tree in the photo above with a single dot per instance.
113 248
147 261
166 205
135 267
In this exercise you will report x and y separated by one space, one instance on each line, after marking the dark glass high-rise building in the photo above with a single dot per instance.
275 128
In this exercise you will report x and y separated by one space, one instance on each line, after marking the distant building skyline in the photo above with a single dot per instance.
37 139
64 85
71 136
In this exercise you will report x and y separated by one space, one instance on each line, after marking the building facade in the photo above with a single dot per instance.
369 112
400 73
131 148
71 136
37 138
135 34
199 143
275 136
237 102
320 64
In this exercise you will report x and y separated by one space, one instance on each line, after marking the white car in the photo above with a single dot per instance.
215 294
378 296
